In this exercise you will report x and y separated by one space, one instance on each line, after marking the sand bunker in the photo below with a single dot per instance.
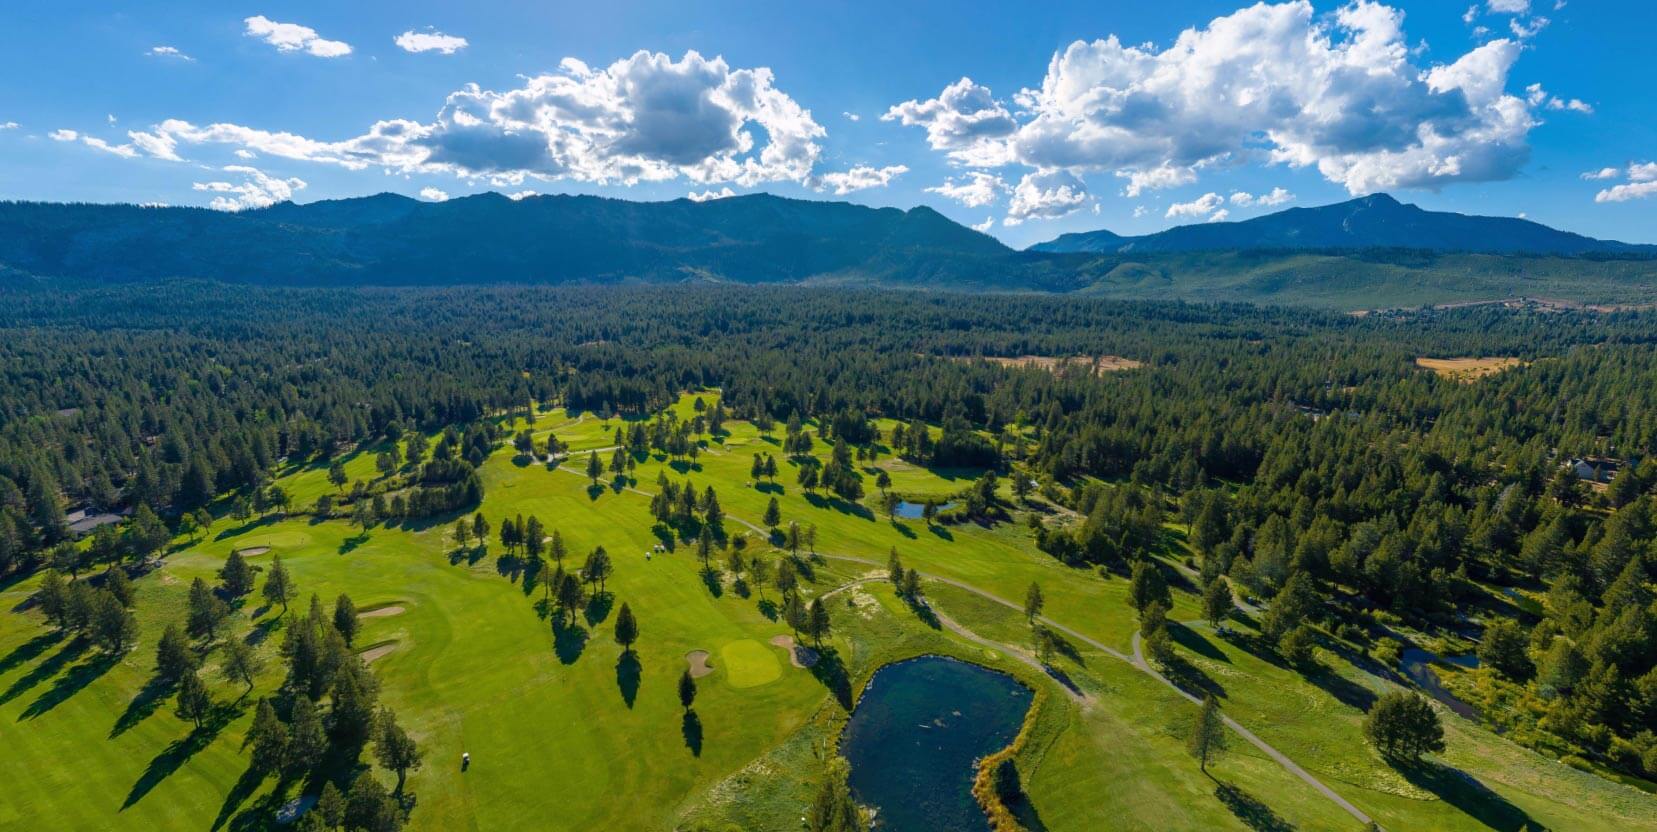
698 661
382 612
798 655
378 651
252 551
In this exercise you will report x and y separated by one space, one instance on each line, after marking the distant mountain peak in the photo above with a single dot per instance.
1367 222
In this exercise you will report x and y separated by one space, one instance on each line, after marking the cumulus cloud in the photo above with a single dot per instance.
965 120
1275 82
1220 215
985 226
860 177
523 194
430 41
169 52
1045 195
8 125
256 190
292 37
975 189
63 135
1278 196
1602 173
1642 183
711 194
851 116
1509 6
647 117
1199 207
125 151
433 194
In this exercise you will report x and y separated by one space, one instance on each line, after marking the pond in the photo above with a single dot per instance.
915 734
1418 665
914 511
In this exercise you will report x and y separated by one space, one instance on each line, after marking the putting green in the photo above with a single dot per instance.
748 664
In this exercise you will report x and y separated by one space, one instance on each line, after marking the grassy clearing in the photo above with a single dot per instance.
1467 369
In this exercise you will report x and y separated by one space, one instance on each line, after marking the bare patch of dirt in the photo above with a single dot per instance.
799 655
698 661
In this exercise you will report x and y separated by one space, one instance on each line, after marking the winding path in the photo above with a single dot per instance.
1137 660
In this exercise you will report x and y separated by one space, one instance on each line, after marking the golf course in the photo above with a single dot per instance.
564 727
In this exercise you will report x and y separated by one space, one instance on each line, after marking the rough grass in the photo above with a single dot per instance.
1467 369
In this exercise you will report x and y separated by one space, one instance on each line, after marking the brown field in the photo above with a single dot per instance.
1467 369
1100 365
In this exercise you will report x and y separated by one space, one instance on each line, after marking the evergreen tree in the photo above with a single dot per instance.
627 629
279 588
268 738
1402 726
236 576
1033 602
345 618
1206 739
394 748
173 657
194 702
206 611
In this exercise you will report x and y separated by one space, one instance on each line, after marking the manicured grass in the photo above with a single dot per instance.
566 731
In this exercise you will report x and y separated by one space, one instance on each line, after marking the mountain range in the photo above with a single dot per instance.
1374 221
1368 250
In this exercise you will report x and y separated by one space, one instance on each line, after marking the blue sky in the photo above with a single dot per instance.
1026 120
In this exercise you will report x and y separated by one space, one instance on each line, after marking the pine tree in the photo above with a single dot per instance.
194 702
268 738
279 588
173 657
394 748
1207 738
345 618
240 663
627 629
1033 602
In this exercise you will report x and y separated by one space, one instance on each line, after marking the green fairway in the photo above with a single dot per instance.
566 730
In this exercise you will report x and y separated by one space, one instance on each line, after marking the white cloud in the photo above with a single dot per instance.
1201 206
169 52
63 135
851 116
256 190
1536 96
975 189
1525 29
242 153
292 37
1278 196
860 177
1272 82
1470 15
433 194
109 118
9 125
1509 6
710 194
125 151
523 194
1045 195
1642 183
1220 215
985 226
1157 178
1602 173
645 118
965 120
430 41
1140 211
158 145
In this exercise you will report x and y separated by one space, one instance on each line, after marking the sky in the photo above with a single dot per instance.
1024 120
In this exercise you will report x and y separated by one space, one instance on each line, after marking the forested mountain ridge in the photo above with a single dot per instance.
1378 254
1368 222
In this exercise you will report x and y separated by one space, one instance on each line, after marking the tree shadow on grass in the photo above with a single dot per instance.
261 631
250 525
181 750
568 640
830 670
29 650
244 788
1350 693
70 683
768 608
45 670
629 673
1189 678
1192 640
903 529
1250 810
148 700
350 544
940 531
714 581
691 727
1466 793
598 608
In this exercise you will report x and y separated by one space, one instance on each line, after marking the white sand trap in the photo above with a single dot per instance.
378 651
698 660
253 551
798 655
386 611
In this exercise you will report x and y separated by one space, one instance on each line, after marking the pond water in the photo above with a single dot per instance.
915 734
1418 665
914 511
